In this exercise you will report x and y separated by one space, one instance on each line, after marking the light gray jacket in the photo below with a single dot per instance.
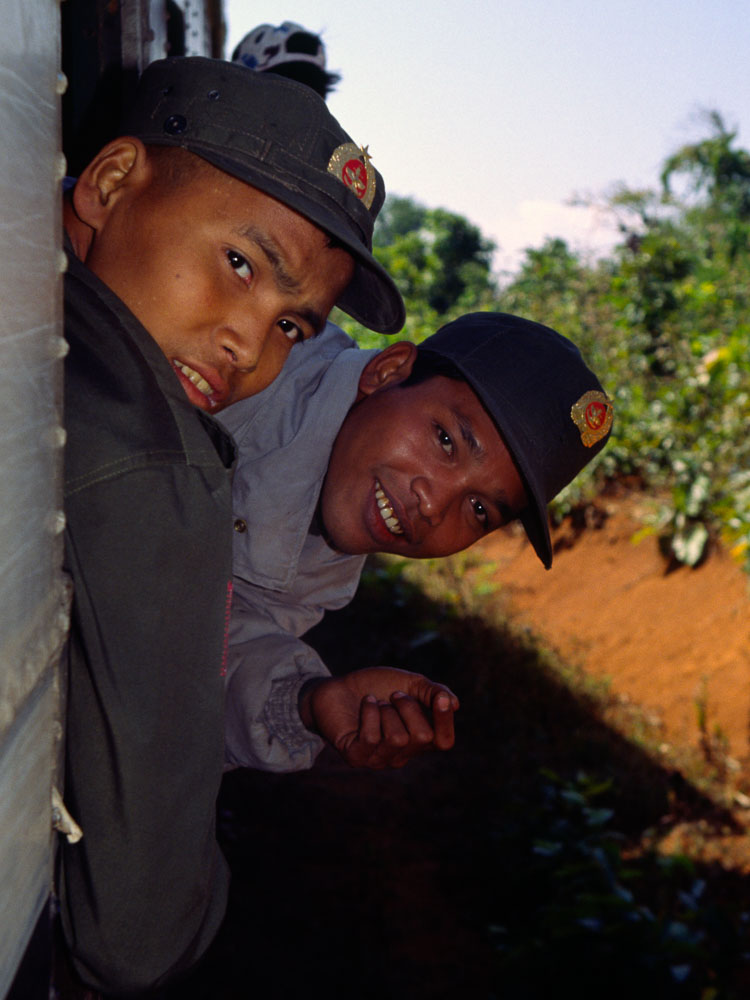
285 575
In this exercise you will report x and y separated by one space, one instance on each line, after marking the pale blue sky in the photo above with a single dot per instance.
504 113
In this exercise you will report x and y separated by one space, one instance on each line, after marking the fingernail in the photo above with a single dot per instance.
399 694
442 702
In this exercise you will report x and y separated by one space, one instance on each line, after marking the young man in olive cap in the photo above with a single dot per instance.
218 230
414 451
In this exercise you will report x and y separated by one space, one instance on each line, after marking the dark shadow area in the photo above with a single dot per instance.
32 978
98 86
175 30
434 882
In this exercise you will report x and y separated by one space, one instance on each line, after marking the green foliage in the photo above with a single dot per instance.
440 262
714 167
664 321
592 915
436 258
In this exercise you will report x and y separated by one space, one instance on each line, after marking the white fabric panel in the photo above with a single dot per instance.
32 616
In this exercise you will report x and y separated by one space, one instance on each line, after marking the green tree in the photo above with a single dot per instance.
714 167
438 259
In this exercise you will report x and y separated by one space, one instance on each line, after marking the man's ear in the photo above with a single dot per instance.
115 169
387 368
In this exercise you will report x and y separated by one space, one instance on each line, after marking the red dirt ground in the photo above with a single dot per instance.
667 640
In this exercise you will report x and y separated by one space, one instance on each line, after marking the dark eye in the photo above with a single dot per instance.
445 440
240 265
292 331
480 512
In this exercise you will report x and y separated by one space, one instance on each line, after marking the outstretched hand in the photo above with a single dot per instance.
380 717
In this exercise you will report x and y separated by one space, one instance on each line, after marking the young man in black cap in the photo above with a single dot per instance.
217 231
414 451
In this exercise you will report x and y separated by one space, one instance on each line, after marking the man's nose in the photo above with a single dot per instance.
431 499
242 343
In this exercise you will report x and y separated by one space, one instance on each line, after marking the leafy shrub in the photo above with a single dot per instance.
604 924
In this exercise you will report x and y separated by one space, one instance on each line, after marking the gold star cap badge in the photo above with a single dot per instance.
592 415
351 164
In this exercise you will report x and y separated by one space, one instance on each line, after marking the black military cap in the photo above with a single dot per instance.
549 407
280 137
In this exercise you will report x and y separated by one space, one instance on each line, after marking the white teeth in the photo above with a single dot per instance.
198 381
386 511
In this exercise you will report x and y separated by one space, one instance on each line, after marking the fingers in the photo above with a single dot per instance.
420 733
427 691
383 738
443 708
391 733
371 731
392 728
441 733
397 733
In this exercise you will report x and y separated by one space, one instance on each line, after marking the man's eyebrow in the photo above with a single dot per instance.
284 280
500 500
504 508
467 433
274 255
313 317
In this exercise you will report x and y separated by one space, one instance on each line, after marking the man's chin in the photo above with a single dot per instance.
335 539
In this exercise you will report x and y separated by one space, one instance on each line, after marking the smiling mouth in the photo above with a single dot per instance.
198 381
390 520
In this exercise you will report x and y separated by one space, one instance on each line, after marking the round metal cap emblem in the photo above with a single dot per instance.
351 164
592 415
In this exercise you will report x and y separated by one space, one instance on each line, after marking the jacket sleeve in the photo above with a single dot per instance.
143 893
267 665
268 662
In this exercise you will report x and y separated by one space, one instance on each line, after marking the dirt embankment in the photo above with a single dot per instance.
675 642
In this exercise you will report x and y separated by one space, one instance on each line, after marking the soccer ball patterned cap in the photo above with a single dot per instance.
549 407
266 47
280 137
